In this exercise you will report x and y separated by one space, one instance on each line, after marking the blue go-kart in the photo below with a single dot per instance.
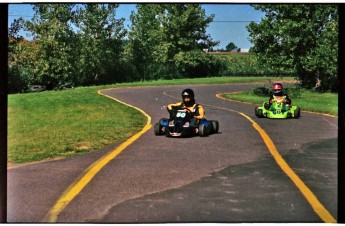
180 125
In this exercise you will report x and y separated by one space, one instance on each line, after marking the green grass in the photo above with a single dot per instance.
65 123
326 103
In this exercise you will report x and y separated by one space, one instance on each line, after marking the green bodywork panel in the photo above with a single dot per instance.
279 113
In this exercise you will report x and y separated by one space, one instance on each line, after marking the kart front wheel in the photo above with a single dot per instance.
259 113
157 129
297 112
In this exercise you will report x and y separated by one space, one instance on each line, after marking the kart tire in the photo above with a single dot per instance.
297 112
256 112
157 129
202 130
260 113
215 126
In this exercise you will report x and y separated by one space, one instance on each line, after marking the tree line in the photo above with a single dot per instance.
85 45
299 37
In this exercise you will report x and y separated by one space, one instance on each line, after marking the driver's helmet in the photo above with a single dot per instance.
188 93
277 88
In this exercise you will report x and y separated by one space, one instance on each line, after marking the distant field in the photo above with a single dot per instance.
246 64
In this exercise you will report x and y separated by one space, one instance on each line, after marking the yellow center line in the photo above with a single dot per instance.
74 189
319 209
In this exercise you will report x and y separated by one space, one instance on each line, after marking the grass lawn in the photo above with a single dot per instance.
65 123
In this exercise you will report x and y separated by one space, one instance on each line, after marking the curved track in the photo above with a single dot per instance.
226 177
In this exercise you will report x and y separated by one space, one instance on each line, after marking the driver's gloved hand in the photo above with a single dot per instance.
190 112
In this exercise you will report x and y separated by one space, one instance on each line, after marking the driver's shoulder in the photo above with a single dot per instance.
176 104
196 105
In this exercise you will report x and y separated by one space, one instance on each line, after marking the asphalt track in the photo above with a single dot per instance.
231 176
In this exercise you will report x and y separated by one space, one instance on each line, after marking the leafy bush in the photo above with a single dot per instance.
294 91
196 64
262 91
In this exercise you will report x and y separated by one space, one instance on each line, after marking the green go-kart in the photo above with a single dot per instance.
277 110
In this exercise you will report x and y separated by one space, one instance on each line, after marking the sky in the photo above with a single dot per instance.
229 23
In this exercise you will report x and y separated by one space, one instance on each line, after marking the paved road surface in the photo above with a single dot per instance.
225 177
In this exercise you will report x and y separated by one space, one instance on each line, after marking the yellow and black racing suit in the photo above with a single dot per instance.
196 109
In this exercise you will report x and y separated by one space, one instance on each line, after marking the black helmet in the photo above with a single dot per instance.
188 93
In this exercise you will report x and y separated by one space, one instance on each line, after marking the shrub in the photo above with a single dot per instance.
262 91
294 91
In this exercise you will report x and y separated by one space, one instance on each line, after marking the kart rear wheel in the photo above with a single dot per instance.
157 129
297 112
215 126
202 130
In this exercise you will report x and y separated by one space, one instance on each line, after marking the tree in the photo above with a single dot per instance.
100 43
184 26
52 32
144 38
16 82
71 43
231 46
301 37
162 34
22 63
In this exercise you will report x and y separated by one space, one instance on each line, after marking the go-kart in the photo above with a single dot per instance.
277 110
180 125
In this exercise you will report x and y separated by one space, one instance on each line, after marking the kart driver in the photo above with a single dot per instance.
278 92
188 103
